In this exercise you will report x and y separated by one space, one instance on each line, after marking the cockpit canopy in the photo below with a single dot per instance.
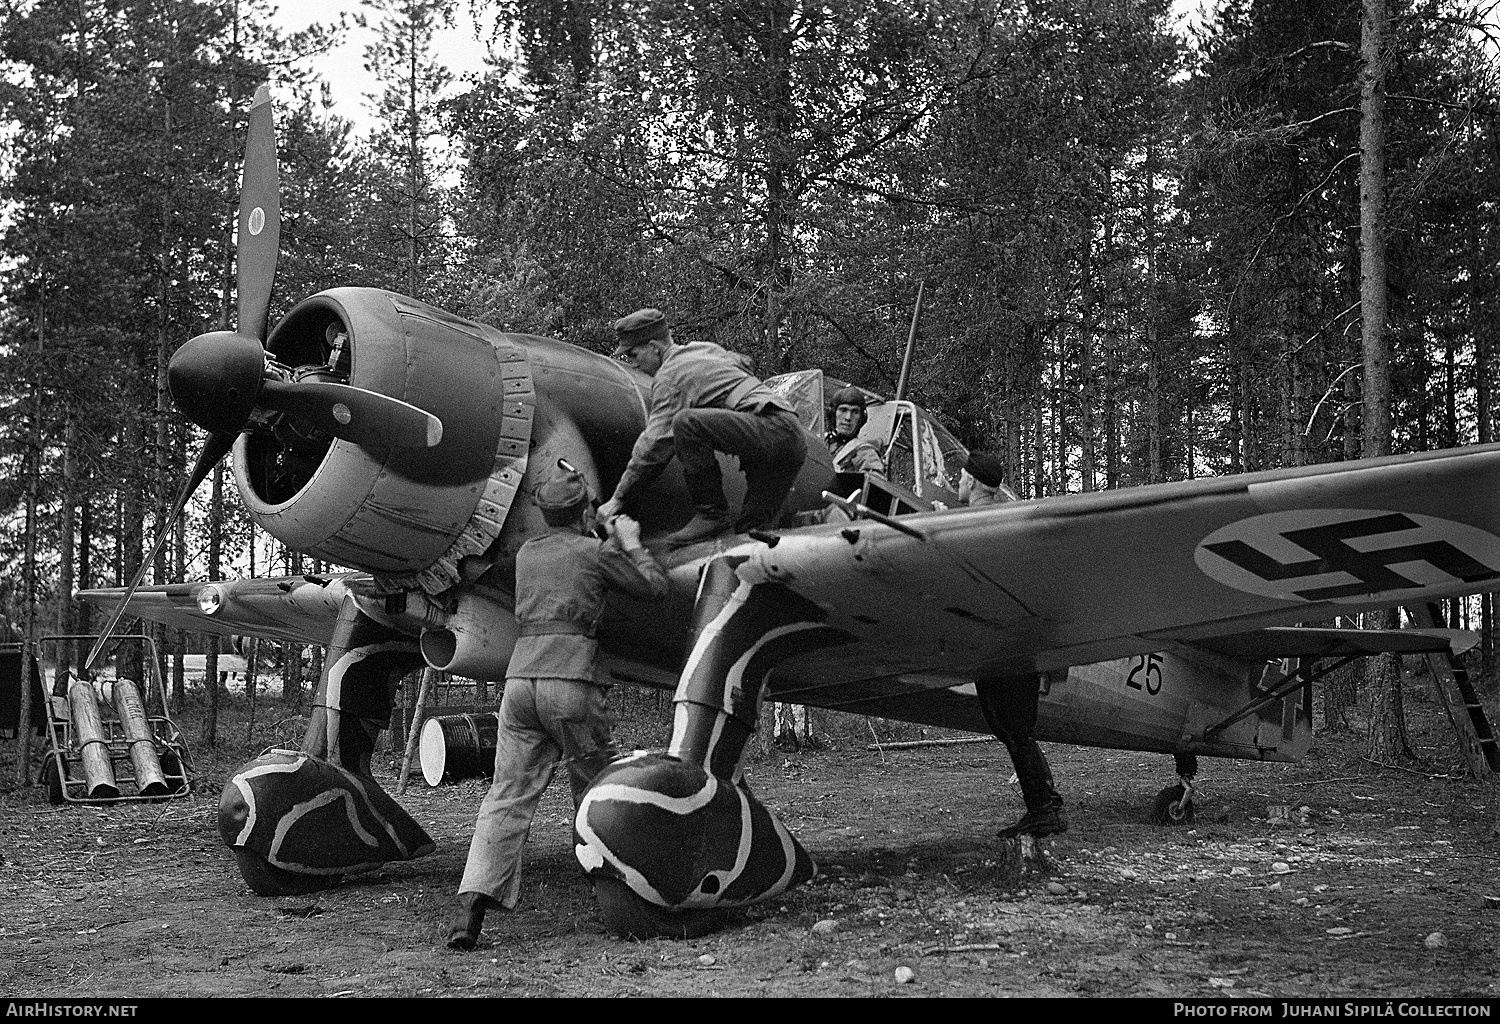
920 454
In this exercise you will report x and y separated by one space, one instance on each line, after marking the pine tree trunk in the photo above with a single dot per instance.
179 636
1340 691
291 666
131 514
1249 457
413 165
252 658
1374 334
780 117
67 526
1086 332
28 566
211 656
84 621
1386 741
1481 279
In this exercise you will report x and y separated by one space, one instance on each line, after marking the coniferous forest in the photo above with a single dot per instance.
1148 252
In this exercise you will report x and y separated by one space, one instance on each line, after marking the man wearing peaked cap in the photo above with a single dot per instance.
554 709
562 496
704 400
638 328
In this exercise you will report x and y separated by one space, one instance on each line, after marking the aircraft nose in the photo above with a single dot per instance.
214 379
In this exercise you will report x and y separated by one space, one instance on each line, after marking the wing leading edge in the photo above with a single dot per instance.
298 609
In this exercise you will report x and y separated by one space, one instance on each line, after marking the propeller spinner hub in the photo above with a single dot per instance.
215 378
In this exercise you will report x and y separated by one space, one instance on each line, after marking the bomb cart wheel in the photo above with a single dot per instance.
52 775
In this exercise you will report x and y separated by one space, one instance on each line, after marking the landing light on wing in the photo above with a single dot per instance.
210 600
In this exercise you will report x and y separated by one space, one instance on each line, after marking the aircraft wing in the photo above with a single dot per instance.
1225 566
300 609
1295 642
1038 586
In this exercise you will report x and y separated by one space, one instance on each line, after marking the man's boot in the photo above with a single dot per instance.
756 517
705 523
466 923
1044 804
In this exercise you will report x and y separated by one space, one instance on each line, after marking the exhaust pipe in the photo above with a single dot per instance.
476 641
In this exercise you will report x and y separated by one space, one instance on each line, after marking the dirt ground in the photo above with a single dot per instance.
1333 878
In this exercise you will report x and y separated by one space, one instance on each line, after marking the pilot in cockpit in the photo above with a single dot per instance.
852 453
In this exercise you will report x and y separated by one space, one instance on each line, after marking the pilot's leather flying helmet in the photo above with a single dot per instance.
850 396
562 496
638 328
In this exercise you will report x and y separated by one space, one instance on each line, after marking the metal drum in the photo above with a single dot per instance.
455 747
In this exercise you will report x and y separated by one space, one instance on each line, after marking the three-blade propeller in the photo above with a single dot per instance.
221 379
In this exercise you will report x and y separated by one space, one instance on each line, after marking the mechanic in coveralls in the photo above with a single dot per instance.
554 710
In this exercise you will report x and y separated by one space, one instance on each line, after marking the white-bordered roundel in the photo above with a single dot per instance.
256 222
1347 555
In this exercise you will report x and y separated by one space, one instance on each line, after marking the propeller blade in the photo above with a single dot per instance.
354 414
217 447
260 220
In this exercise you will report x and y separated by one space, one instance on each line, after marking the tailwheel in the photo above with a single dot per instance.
1174 806
266 879
629 916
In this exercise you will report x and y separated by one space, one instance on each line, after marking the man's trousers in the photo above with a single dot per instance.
544 724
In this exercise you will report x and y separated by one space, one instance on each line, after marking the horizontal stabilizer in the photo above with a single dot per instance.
1303 642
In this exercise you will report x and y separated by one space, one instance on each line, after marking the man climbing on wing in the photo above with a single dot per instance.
704 401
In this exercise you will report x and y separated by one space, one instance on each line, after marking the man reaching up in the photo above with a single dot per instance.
704 401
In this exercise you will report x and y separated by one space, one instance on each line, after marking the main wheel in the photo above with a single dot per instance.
627 915
1173 807
266 879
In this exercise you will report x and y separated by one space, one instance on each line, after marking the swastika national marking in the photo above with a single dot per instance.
1370 568
1350 556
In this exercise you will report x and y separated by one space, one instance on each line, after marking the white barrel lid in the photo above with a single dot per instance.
433 752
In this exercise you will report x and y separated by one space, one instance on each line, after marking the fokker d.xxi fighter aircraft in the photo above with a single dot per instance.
385 435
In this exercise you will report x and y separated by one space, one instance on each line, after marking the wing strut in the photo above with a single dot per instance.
1303 675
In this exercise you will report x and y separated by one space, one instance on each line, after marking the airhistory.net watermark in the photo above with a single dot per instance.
40 1008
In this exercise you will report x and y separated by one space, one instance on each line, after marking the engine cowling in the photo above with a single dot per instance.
408 516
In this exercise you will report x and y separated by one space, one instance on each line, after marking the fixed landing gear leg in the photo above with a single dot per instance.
1174 805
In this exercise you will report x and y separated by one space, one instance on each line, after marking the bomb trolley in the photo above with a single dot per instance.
110 739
